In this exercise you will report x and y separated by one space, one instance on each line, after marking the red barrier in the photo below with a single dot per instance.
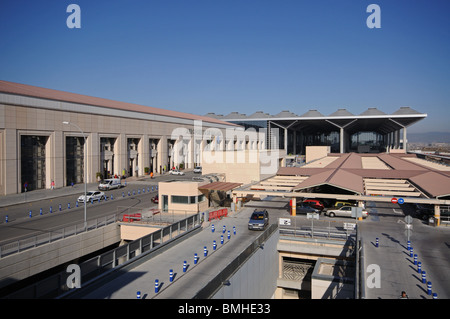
218 214
131 217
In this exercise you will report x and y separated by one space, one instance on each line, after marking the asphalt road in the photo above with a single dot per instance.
17 207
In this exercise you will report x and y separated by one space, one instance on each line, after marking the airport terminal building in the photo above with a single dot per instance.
50 137
55 138
372 131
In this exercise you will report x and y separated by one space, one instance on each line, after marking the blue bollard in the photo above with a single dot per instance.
184 266
195 259
123 194
6 219
229 235
152 188
212 228
148 189
59 207
434 295
139 191
429 288
415 259
138 295
76 204
51 209
411 252
92 201
30 214
409 245
68 205
419 267
214 245
424 277
234 230
134 192
171 275
112 197
223 229
156 286
205 251
221 239
376 242
40 211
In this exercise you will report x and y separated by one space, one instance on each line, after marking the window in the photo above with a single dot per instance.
180 199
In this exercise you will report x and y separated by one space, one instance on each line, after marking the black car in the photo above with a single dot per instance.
303 208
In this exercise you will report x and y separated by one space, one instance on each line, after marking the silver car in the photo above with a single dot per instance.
258 220
92 195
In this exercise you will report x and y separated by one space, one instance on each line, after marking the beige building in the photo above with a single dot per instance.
182 197
49 136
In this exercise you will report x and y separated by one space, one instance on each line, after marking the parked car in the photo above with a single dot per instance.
110 183
155 199
339 204
303 208
198 170
315 203
176 172
344 211
259 219
92 195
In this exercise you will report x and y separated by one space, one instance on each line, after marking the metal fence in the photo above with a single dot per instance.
25 243
316 228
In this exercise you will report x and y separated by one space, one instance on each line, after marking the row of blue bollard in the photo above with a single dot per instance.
30 213
421 271
196 260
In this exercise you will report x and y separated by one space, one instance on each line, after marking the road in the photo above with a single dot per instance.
21 225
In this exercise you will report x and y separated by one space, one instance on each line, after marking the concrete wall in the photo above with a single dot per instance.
257 278
33 261
181 188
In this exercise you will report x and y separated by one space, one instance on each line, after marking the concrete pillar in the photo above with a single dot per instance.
341 140
294 206
437 214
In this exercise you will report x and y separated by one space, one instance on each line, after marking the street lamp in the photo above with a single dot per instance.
84 164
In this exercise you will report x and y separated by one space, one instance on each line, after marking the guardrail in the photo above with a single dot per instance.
101 266
20 245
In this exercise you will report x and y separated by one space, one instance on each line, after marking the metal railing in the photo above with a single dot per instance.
29 242
100 267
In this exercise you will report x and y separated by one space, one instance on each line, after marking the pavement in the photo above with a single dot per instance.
390 269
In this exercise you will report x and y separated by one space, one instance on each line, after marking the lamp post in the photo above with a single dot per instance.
84 164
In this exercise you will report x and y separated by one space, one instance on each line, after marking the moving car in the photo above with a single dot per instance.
344 211
176 172
155 199
259 219
110 183
92 195
198 170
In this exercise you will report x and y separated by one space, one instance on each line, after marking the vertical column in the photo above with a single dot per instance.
162 152
10 173
404 139
437 214
144 153
341 140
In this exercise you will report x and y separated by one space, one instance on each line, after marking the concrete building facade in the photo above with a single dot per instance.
49 138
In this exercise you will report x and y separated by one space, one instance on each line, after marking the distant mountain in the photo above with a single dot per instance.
429 137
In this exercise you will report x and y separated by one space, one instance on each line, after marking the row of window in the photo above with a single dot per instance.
176 199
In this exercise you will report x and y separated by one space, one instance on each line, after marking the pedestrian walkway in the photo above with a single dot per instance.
389 266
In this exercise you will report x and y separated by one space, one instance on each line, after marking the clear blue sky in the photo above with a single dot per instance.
221 56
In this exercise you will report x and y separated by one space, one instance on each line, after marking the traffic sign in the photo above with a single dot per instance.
394 200
400 200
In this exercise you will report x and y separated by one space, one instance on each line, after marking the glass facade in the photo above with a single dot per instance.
32 162
74 160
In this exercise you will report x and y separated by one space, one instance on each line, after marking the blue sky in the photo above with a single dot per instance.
222 56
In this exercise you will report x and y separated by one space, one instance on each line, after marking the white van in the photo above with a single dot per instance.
110 183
